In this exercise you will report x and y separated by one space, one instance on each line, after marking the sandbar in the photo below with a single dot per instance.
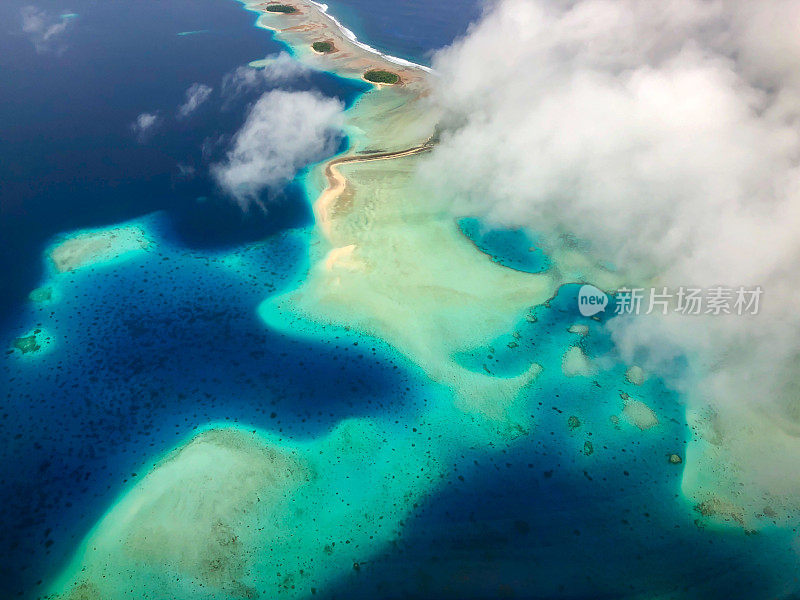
639 414
575 363
95 247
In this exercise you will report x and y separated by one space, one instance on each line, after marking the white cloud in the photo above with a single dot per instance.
144 125
44 28
275 70
665 134
284 131
196 95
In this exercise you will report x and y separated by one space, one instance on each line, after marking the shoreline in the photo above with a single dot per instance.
338 182
311 22
353 38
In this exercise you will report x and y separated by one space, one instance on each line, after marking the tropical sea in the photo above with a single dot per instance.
146 350
144 355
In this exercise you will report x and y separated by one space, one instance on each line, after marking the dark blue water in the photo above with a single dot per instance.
68 156
408 29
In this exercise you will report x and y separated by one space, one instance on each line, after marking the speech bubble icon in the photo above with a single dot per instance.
591 300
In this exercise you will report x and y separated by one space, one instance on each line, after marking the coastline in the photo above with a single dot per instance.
352 37
311 22
337 183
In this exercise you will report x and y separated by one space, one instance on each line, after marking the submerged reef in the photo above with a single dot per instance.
636 375
575 363
33 342
243 514
26 344
240 514
42 294
638 413
85 249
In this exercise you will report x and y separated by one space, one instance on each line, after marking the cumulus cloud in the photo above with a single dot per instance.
144 125
196 95
276 70
664 135
45 29
283 132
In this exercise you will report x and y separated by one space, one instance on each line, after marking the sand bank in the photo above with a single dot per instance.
96 247
325 205
579 329
637 413
233 513
421 285
575 363
636 375
730 465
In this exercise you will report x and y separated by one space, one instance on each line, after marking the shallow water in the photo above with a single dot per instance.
512 248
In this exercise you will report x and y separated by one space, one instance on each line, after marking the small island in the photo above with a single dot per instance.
285 9
379 76
323 47
306 25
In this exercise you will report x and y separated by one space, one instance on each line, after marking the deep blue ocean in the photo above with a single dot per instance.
147 350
